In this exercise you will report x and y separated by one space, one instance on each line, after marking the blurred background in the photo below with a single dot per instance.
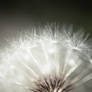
18 14
21 15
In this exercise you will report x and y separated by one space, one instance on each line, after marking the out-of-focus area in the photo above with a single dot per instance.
17 14
21 15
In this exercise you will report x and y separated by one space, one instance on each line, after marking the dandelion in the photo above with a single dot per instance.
46 61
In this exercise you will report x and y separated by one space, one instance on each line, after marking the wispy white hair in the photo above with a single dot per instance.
43 52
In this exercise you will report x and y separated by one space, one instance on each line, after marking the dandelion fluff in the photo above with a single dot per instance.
44 60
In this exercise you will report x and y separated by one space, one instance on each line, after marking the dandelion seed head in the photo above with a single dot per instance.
48 61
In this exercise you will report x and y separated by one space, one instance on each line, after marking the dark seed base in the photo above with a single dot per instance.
52 84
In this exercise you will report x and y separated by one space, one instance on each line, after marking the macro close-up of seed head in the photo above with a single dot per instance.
46 59
45 46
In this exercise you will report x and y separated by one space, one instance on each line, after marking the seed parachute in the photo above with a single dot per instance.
46 60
